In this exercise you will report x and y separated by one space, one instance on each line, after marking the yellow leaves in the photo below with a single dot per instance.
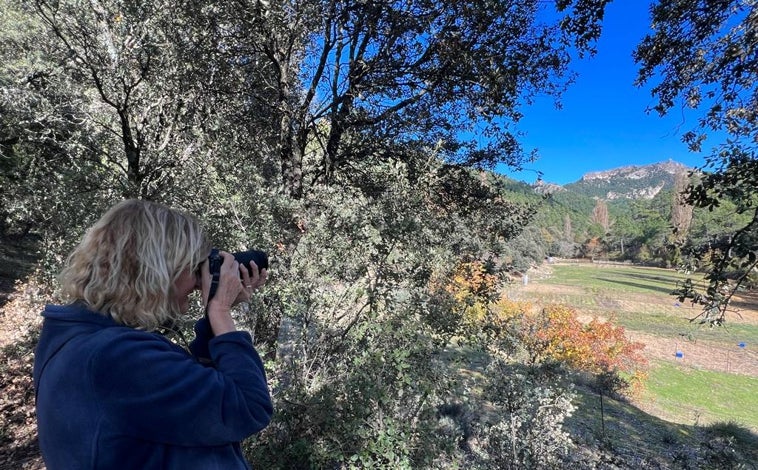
471 288
552 333
506 309
471 279
472 294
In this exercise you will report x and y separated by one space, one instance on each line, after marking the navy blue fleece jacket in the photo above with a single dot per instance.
113 397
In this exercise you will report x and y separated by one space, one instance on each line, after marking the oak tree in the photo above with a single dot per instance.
352 80
702 55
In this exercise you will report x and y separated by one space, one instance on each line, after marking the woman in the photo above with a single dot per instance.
112 392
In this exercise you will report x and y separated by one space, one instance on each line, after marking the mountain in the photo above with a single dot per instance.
639 201
624 214
628 182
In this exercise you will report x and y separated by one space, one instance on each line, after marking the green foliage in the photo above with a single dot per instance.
729 255
370 401
329 84
338 137
357 370
703 56
140 110
530 410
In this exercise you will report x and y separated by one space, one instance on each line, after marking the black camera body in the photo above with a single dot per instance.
244 258
215 260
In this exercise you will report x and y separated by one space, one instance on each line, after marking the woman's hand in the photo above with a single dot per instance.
228 290
251 280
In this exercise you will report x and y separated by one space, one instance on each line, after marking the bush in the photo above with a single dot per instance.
600 348
528 431
728 445
370 403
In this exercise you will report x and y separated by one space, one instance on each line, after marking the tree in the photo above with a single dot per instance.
352 80
298 92
568 233
681 210
142 67
50 176
106 100
360 113
703 55
600 215
681 217
597 347
650 227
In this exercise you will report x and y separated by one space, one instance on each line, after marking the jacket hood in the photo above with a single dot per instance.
61 324
76 312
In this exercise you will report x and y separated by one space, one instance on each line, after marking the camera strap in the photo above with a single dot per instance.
214 266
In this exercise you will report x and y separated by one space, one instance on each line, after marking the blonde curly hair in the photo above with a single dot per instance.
127 263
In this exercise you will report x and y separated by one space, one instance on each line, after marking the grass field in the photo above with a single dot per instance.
688 395
714 379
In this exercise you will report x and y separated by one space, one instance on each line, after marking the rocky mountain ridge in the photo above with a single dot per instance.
627 182
637 172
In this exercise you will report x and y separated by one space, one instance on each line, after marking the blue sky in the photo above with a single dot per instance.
603 123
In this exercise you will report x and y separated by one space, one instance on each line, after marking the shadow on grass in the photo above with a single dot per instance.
640 286
636 278
632 434
744 301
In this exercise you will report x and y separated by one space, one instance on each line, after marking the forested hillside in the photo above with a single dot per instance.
354 142
621 214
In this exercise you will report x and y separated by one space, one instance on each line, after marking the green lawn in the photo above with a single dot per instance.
666 325
601 278
692 396
639 298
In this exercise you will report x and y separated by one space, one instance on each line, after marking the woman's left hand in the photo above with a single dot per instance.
251 280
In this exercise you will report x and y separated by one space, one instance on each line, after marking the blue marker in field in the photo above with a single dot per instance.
742 345
679 354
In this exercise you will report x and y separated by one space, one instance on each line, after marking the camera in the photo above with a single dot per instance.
244 258
215 260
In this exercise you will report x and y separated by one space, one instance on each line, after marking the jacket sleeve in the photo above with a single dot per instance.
203 334
155 391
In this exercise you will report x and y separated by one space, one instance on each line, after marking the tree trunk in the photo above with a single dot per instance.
132 151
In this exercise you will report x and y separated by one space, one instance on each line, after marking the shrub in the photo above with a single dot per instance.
600 348
371 403
528 431
728 445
